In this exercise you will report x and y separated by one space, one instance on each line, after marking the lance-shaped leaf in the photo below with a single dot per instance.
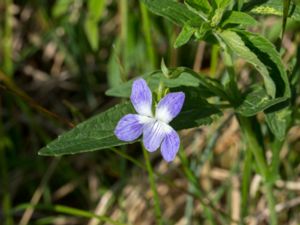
273 7
279 118
262 54
256 101
97 132
239 47
267 54
237 18
184 36
278 115
174 11
200 5
94 134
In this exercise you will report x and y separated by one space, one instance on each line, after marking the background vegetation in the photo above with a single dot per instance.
57 59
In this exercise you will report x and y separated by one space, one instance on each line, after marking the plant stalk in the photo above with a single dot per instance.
147 34
257 151
153 186
249 135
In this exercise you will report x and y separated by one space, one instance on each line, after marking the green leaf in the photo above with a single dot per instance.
240 4
238 46
218 14
196 110
95 9
267 54
61 7
286 7
256 101
123 90
275 7
262 54
222 4
91 31
184 36
203 31
200 5
114 76
278 115
279 119
98 132
95 133
176 12
240 18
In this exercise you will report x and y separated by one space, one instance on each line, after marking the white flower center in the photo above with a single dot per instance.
145 110
163 115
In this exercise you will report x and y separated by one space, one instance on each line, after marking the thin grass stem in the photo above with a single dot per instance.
68 211
147 34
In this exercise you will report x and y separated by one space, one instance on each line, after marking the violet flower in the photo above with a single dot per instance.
155 129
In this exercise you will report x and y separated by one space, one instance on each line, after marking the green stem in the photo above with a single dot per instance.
248 160
231 87
195 193
254 146
249 135
160 91
147 34
276 147
271 203
188 172
257 151
214 60
153 186
67 211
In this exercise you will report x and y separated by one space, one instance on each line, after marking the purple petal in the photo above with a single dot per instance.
129 128
170 106
170 146
141 97
153 134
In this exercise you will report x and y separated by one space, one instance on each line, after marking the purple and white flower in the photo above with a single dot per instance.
155 128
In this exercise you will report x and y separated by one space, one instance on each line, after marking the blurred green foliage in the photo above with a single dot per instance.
57 59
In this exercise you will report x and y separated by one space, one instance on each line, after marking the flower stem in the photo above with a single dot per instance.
153 186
